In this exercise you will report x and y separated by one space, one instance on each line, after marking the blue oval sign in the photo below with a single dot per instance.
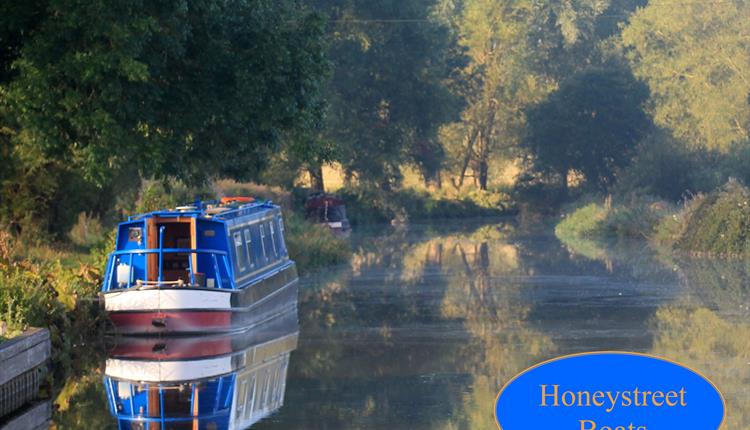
609 391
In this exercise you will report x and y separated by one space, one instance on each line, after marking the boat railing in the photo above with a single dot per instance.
113 278
244 209
219 407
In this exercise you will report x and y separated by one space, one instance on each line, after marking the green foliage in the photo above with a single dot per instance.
592 124
719 223
95 95
47 294
313 246
629 217
387 94
664 167
169 88
695 60
519 52
88 231
498 83
368 205
584 222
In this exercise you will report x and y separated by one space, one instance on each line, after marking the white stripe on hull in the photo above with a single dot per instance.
172 299
167 371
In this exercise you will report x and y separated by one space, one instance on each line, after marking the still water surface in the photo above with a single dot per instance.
427 323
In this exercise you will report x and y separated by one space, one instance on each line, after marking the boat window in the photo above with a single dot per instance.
263 240
281 235
241 399
239 249
251 396
209 233
135 234
276 386
249 246
273 239
266 389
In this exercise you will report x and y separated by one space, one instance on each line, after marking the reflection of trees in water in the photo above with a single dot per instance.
723 285
707 329
636 257
482 294
440 306
374 332
82 403
720 349
710 331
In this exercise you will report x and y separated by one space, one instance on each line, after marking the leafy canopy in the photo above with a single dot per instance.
592 124
173 88
696 61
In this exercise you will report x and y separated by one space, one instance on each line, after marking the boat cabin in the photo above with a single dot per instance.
221 246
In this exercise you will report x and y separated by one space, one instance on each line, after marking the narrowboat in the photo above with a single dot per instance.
205 268
223 381
329 211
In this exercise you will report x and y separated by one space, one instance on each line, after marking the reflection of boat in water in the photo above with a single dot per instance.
211 382
197 269
328 210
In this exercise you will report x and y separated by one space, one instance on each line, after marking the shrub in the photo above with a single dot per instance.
718 223
629 217
368 205
666 168
87 231
584 222
47 294
313 246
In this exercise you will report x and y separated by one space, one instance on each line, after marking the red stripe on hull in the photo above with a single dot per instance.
171 348
171 322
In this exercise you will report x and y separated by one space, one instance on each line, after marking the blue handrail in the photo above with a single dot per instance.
218 411
239 211
221 275
161 251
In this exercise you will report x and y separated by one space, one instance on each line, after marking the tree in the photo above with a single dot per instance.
519 51
388 93
592 124
186 89
95 92
696 61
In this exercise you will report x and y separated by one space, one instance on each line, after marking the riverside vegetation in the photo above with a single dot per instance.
55 284
715 224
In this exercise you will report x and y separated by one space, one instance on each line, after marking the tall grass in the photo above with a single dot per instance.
313 246
718 223
369 205
630 217
48 294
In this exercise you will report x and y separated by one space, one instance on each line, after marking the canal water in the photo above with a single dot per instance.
426 323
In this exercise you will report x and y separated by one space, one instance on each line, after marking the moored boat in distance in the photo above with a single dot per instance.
329 211
205 268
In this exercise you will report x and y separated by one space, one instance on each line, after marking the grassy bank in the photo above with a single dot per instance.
608 218
366 205
50 293
715 224
712 224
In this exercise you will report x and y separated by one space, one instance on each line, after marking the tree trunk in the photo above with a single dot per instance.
483 174
316 178
470 139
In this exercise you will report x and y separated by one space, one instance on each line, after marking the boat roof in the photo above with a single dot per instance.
211 209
